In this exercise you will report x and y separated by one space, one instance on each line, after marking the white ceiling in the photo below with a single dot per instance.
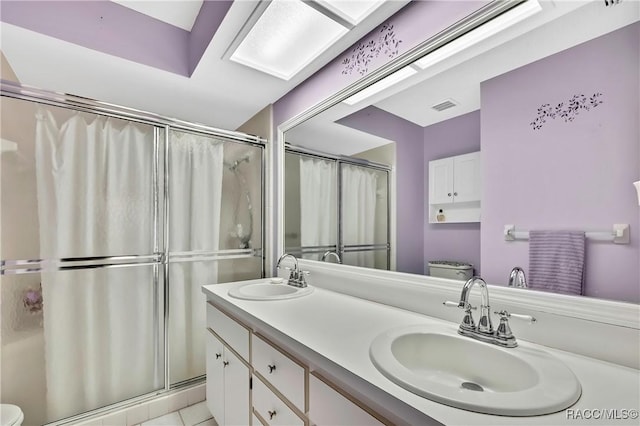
559 26
220 93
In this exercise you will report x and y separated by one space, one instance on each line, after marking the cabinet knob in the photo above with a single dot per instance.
448 194
225 363
272 414
218 356
455 194
271 368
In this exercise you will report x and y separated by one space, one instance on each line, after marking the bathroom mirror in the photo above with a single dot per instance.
550 103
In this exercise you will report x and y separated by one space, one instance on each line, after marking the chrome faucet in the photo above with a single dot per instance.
296 276
517 278
328 253
484 331
484 324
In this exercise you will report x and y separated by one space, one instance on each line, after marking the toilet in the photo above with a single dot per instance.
452 270
10 415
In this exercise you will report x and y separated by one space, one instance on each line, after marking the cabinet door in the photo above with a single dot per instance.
236 390
215 377
441 181
467 185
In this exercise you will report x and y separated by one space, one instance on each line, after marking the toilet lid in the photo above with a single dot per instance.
10 414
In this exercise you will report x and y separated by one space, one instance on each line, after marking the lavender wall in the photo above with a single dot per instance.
413 24
114 29
409 180
571 175
451 241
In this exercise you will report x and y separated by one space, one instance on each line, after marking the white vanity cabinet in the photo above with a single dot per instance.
455 189
228 375
249 378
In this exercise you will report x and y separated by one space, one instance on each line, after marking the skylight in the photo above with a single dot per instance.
287 37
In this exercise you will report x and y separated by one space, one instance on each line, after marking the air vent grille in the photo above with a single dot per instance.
449 103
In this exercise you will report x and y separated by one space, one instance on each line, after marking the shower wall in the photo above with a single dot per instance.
25 369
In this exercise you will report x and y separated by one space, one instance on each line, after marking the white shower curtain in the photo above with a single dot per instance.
195 187
318 198
94 188
359 187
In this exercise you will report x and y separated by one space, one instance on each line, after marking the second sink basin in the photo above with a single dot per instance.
438 364
269 291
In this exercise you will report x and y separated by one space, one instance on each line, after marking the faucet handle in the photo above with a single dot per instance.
451 304
506 315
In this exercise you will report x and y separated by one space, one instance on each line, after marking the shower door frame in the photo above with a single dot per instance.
161 256
340 247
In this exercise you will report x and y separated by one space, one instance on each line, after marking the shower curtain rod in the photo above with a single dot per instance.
79 103
343 158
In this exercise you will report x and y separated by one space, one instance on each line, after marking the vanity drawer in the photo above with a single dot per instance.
282 372
270 407
327 406
232 332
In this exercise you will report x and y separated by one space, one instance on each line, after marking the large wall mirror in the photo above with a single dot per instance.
534 125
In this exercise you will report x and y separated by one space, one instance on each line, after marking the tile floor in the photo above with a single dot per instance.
194 415
186 407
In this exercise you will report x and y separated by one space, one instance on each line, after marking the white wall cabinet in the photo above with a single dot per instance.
455 188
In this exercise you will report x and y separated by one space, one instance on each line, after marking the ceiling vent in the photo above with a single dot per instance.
449 103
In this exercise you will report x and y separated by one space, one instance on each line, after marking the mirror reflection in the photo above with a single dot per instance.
502 150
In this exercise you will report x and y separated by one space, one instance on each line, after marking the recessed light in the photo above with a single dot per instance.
286 38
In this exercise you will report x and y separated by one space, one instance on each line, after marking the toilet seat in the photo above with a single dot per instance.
10 415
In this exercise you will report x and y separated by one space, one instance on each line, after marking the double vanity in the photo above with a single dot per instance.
309 355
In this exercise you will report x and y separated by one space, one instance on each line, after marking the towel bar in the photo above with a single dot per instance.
618 235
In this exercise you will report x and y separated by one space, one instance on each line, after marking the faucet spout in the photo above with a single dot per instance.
484 324
328 253
517 278
284 256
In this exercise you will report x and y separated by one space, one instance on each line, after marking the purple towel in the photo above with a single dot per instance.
556 261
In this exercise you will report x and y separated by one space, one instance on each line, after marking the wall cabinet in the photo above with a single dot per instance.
281 390
455 189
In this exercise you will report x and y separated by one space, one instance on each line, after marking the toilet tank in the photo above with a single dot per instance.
449 269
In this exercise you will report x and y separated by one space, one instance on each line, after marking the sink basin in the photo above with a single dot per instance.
438 364
269 291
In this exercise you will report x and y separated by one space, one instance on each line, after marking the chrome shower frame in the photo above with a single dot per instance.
161 257
340 247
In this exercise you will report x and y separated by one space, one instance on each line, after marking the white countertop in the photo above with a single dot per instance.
340 329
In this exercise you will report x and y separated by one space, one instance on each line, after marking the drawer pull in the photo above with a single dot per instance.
271 368
218 356
272 414
225 363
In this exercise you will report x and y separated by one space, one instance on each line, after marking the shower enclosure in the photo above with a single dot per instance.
337 204
111 220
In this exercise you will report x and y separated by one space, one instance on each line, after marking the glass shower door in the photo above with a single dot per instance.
311 205
80 277
215 235
364 213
